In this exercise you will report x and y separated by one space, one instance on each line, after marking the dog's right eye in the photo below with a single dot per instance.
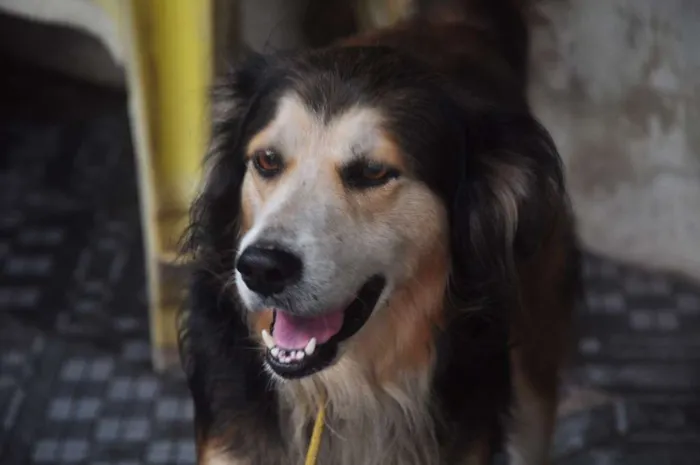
364 174
267 163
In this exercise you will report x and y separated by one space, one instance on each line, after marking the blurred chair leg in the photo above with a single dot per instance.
169 50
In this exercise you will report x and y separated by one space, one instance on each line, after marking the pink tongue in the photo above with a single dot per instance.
294 332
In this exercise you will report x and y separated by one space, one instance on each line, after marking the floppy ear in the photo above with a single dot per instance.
510 191
214 214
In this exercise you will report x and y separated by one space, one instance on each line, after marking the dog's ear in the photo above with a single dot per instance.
214 213
508 195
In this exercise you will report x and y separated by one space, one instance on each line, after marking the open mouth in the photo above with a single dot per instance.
300 346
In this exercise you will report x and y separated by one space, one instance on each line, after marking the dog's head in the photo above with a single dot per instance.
352 197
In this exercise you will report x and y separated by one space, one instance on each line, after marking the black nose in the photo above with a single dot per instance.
268 271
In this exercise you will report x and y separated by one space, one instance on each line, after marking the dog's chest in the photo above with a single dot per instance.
382 440
357 448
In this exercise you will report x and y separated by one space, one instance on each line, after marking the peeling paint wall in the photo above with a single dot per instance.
617 82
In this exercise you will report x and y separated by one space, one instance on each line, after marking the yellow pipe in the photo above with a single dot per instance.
169 70
182 65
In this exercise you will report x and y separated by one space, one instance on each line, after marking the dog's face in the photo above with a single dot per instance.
333 220
337 189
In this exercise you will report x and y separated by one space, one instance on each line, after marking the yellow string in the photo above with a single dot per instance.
315 443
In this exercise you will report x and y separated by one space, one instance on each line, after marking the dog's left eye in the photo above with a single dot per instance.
365 174
267 162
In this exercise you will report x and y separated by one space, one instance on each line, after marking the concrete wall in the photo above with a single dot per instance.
618 84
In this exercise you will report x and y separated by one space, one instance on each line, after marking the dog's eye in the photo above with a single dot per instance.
374 171
364 174
267 162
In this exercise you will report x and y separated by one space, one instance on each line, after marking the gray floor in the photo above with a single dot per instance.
75 385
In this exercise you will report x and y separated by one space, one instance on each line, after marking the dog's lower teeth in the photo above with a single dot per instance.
291 355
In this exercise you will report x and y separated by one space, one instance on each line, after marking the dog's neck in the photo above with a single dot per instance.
367 421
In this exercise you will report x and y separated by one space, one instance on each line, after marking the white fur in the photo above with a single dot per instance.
367 422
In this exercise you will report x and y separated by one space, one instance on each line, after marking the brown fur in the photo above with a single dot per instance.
414 312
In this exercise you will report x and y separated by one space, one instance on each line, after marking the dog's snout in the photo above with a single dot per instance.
268 271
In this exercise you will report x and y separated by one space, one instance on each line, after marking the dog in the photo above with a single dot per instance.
383 228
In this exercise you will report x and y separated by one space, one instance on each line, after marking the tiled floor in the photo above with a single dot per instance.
75 385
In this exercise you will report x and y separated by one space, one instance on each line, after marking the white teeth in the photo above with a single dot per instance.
288 355
310 346
268 339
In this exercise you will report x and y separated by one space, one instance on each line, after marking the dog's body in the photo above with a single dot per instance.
461 213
